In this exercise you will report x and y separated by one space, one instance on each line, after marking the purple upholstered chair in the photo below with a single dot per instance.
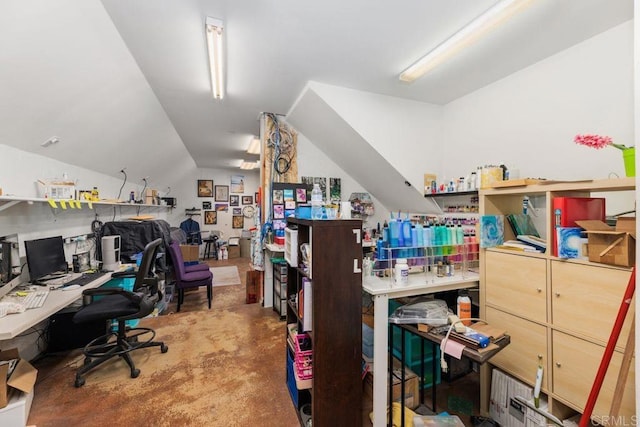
189 278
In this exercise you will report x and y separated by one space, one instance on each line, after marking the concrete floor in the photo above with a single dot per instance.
225 367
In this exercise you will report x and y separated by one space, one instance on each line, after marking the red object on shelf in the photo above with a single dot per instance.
568 210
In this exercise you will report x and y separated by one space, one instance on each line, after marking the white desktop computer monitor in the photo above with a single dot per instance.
111 253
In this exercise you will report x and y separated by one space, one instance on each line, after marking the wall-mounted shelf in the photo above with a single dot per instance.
8 201
452 193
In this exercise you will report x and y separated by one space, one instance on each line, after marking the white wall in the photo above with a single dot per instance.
528 120
407 133
18 177
187 198
313 162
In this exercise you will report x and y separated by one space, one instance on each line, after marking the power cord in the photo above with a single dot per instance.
123 182
457 324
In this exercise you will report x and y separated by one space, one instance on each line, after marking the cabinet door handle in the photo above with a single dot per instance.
558 294
539 290
356 269
558 364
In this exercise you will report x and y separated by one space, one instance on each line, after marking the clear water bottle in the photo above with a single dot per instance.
316 202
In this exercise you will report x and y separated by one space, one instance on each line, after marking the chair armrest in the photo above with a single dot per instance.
123 274
88 294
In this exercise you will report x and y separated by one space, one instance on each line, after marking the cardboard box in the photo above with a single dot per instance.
234 251
607 245
15 373
411 385
190 253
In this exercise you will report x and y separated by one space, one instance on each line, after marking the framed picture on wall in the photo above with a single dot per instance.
238 221
210 217
222 193
206 205
237 183
205 188
247 200
234 200
237 211
222 207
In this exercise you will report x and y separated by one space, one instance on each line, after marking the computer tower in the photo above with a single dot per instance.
111 253
64 335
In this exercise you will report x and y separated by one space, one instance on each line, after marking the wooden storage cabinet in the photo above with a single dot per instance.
527 349
575 363
561 310
518 284
336 325
585 299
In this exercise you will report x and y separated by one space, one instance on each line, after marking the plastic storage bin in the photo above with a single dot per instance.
412 351
303 357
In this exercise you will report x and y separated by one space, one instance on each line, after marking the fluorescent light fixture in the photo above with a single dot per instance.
249 165
215 30
464 37
254 146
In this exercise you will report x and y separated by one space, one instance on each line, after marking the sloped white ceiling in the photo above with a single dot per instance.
125 83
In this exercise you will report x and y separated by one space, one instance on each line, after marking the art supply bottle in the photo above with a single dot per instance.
464 307
401 272
394 232
95 196
316 202
132 197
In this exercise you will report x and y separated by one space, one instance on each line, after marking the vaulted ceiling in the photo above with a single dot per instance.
128 80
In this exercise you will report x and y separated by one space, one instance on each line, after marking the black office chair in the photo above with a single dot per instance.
121 305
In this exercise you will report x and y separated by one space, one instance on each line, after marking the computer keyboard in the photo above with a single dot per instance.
86 278
34 299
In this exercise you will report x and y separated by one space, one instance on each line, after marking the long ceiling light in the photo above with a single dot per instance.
464 37
254 146
249 165
215 31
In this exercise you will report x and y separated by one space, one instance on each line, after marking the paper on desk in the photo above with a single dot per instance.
454 348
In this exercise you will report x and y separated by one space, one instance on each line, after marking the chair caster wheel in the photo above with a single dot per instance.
135 373
164 348
79 382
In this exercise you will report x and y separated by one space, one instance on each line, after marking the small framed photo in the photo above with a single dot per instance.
210 217
206 205
205 188
238 221
301 195
222 207
256 197
237 211
247 200
234 200
222 193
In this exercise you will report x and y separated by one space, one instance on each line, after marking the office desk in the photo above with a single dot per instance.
13 325
381 290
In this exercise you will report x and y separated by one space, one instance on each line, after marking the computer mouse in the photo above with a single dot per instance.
70 287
